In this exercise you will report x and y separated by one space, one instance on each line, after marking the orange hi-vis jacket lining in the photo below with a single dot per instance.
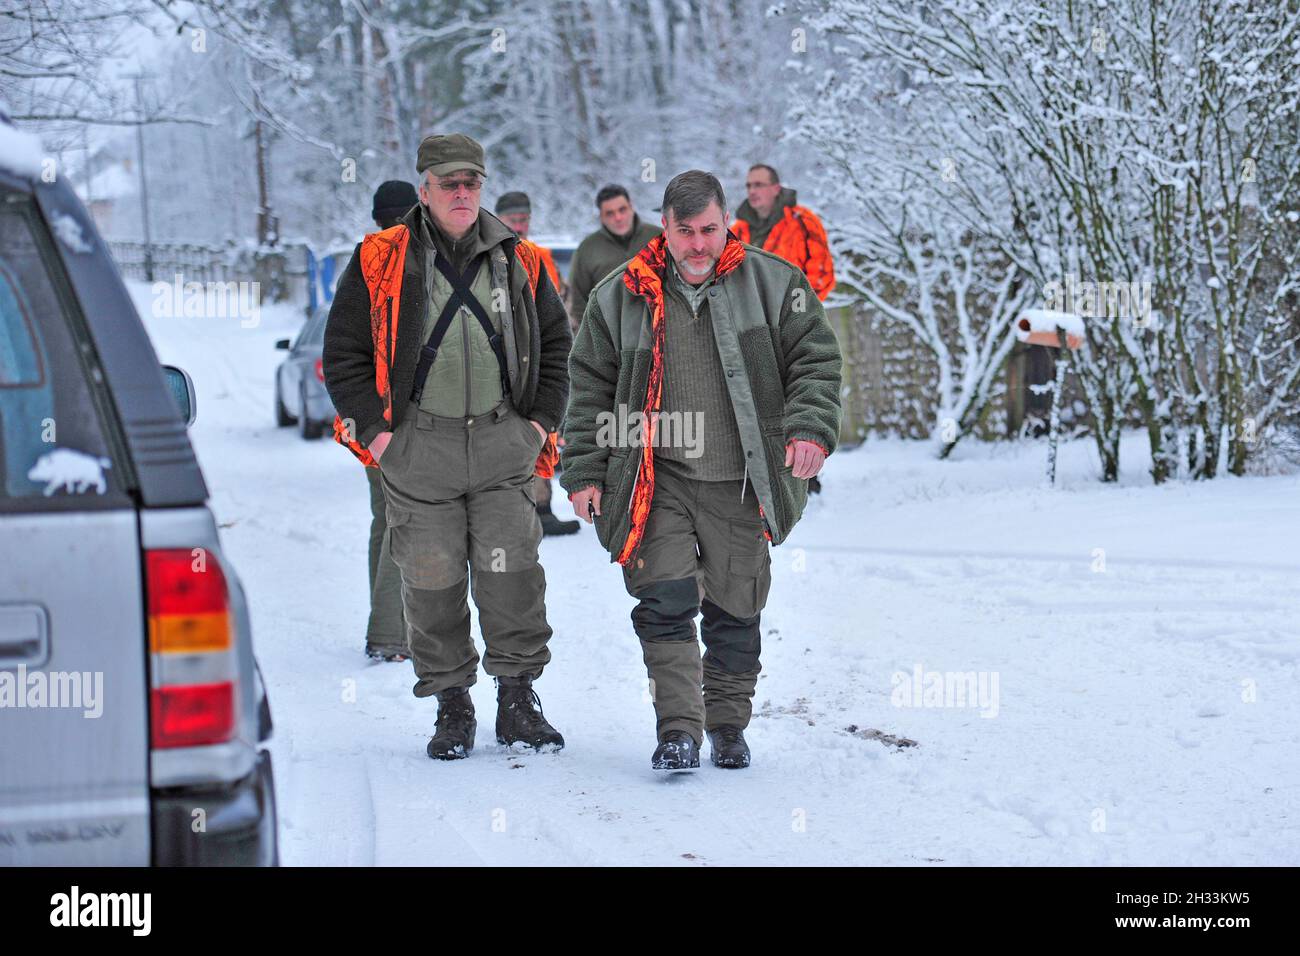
383 257
548 261
800 239
644 277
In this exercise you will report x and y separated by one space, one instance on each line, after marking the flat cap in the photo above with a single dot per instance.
442 155
513 202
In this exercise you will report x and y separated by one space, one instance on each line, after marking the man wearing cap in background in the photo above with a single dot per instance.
445 356
386 627
620 236
516 211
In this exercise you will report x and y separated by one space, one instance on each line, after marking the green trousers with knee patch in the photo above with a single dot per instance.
703 551
462 522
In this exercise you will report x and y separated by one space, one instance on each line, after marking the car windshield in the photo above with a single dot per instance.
313 333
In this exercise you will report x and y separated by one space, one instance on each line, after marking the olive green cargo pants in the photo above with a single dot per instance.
461 510
386 626
703 550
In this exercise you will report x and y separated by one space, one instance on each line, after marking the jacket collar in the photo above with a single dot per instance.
785 202
489 231
645 274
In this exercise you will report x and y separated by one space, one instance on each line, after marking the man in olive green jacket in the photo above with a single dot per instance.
620 236
445 357
704 393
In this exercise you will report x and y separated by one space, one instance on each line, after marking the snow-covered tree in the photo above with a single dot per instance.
1121 145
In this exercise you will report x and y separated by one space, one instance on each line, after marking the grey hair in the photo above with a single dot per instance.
689 194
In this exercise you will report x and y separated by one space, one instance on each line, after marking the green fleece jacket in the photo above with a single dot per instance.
782 366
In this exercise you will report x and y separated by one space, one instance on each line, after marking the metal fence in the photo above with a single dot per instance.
282 271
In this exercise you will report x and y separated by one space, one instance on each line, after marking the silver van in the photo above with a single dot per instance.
132 714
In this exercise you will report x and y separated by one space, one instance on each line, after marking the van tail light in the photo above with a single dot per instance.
320 370
191 644
193 716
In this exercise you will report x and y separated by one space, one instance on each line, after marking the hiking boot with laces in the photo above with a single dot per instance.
519 716
453 736
677 751
727 748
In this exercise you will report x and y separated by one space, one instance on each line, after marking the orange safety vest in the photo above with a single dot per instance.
800 239
383 256
549 262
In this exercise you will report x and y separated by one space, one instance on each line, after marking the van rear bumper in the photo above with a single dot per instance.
236 825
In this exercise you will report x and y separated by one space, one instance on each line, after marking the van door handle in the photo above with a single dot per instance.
24 635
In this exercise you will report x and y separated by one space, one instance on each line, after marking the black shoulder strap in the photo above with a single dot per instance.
460 295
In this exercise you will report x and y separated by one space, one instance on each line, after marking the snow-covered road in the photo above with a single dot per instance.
1135 650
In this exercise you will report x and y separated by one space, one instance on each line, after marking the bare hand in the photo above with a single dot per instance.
540 430
581 499
806 458
378 444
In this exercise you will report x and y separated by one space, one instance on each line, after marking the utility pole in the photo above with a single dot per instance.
268 226
144 183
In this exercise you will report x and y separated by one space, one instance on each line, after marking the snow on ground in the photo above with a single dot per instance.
1138 648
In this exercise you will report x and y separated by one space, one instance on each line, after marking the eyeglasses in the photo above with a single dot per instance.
473 185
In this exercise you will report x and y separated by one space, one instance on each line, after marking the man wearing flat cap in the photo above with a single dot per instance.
445 355
515 209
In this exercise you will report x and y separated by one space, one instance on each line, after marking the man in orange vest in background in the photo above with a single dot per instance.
386 628
516 211
771 219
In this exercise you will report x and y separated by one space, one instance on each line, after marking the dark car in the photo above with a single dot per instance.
300 394
132 711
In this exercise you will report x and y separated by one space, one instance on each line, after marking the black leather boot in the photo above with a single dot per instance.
677 751
727 748
520 718
453 736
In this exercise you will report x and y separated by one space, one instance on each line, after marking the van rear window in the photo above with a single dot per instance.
53 449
